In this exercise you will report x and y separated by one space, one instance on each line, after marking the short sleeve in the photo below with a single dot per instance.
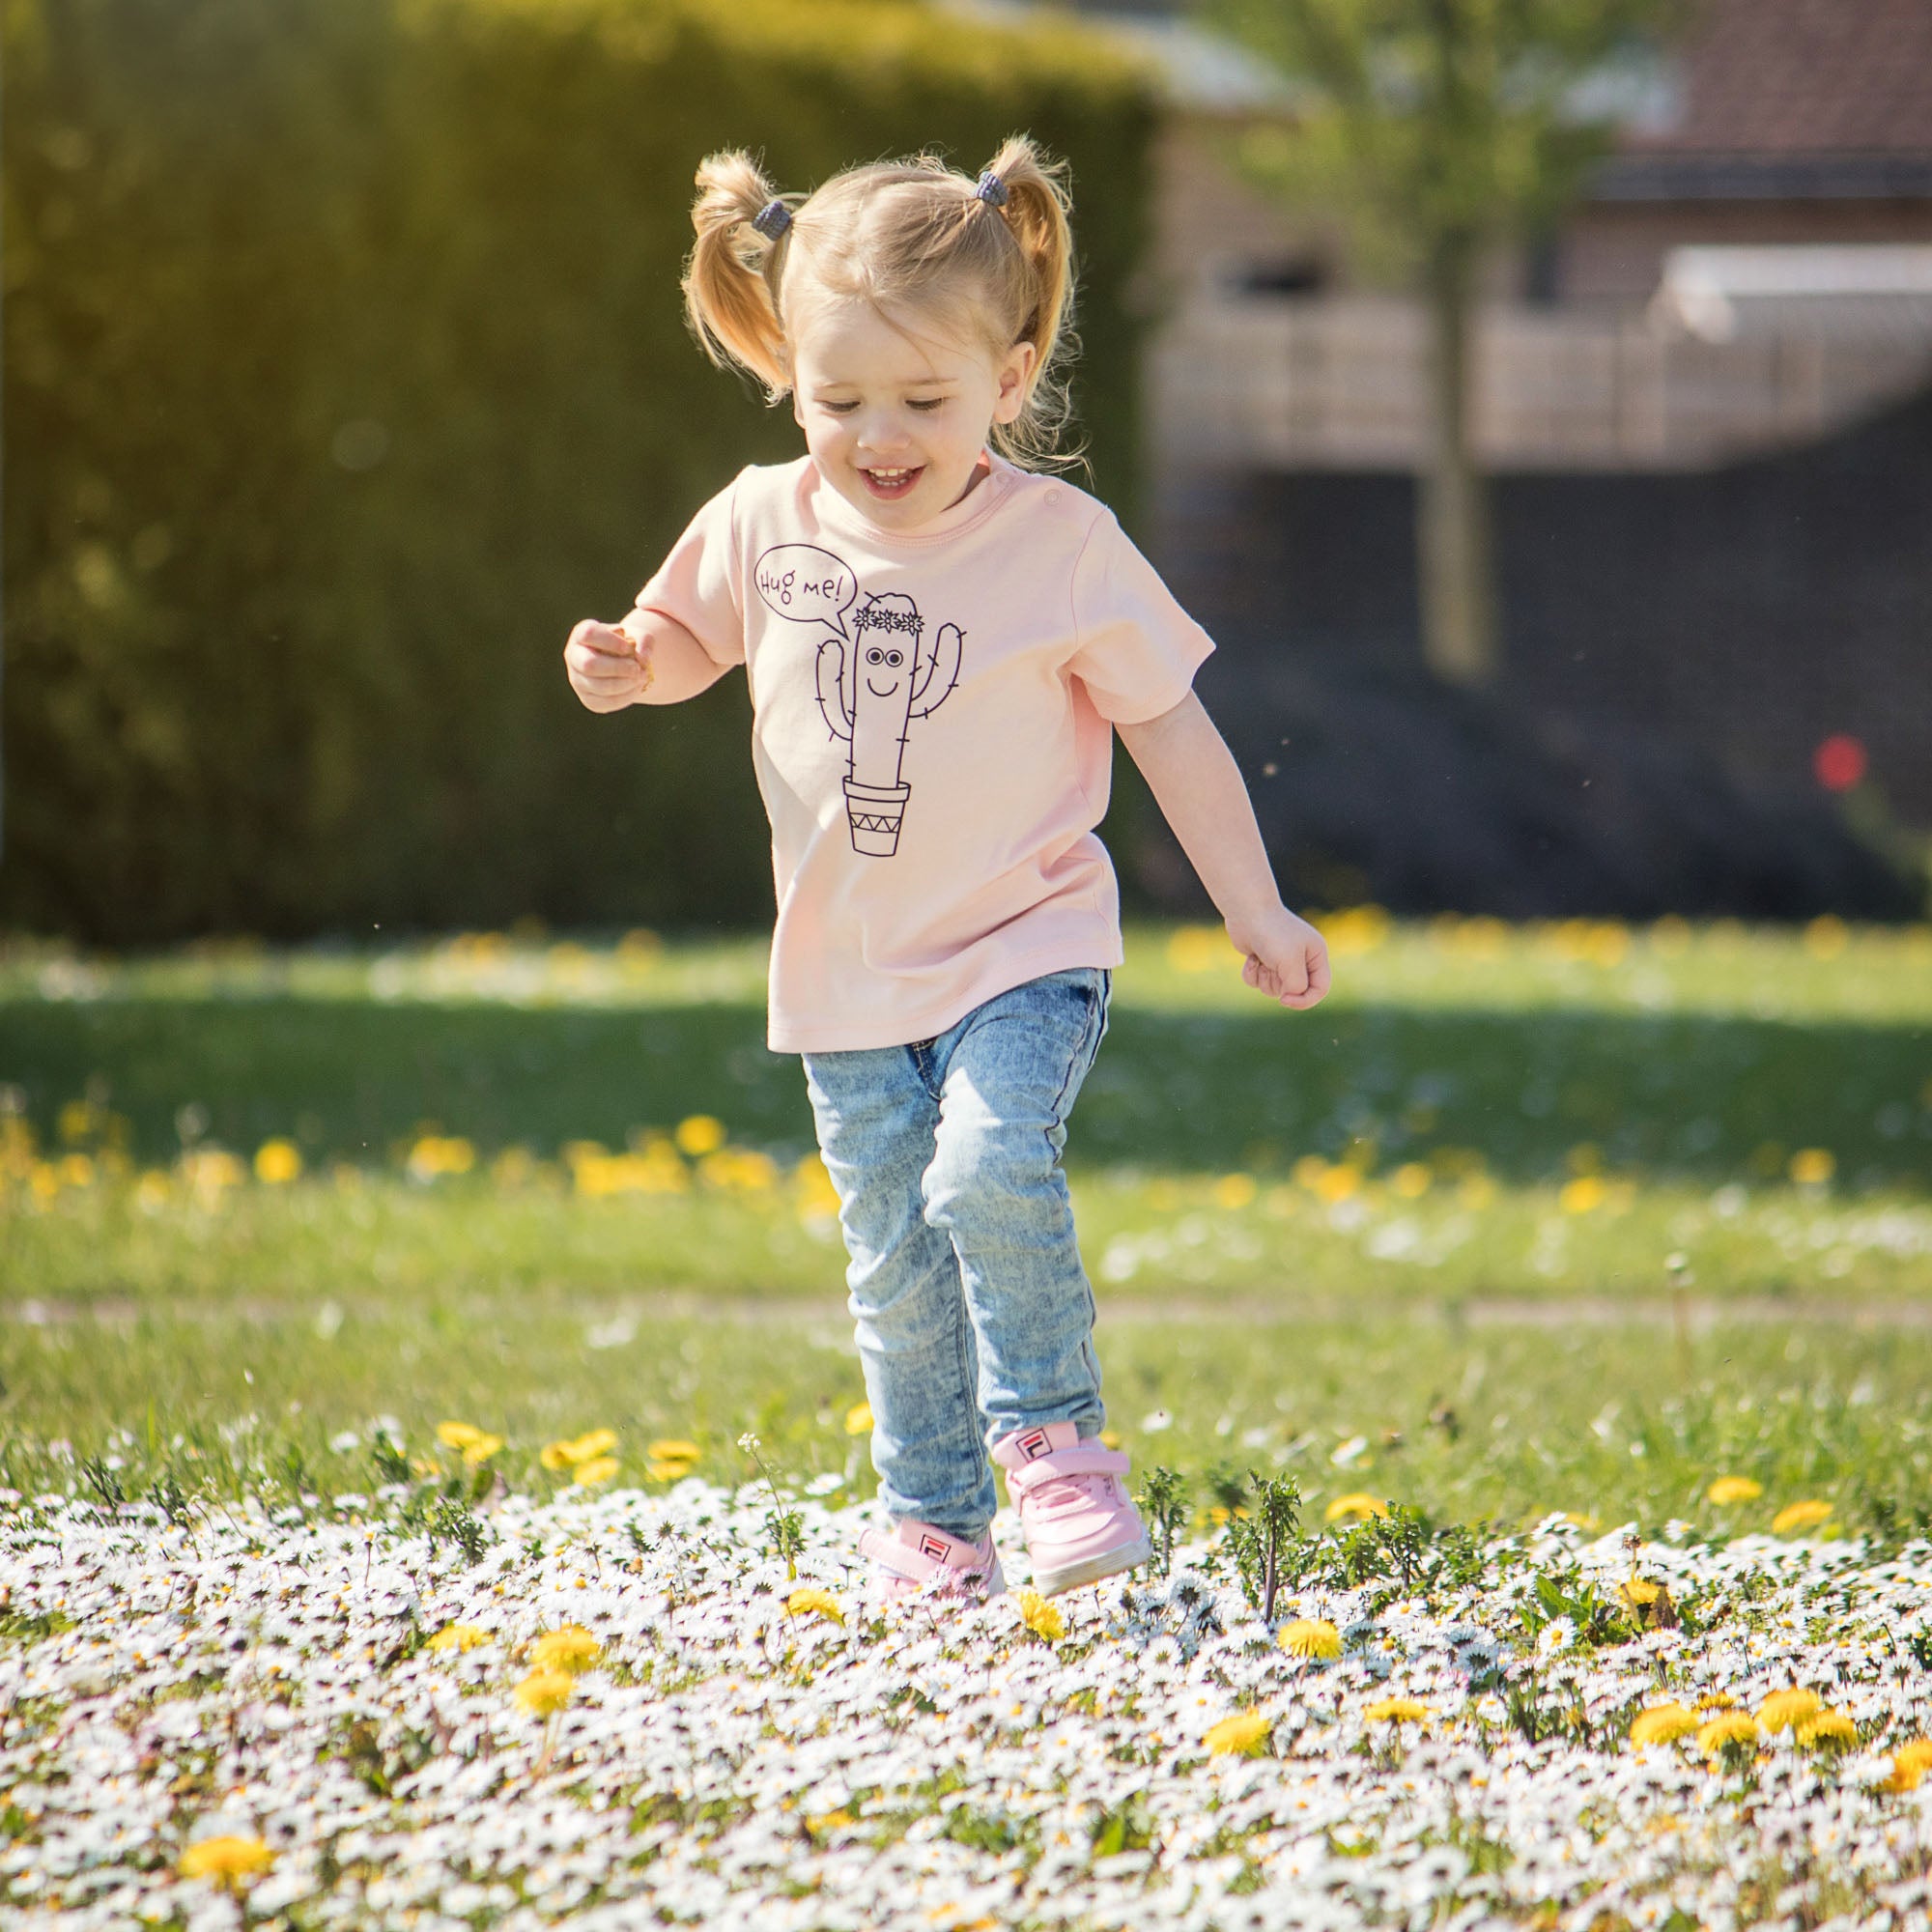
1137 650
697 582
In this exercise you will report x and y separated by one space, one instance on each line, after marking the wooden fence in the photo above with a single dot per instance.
1341 383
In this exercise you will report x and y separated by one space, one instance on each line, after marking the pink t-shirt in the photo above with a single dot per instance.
932 734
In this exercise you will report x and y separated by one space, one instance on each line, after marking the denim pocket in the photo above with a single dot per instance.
1087 988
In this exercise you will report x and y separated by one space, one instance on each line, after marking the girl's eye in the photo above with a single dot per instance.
927 407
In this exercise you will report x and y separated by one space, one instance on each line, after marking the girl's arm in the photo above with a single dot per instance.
648 659
679 665
1198 786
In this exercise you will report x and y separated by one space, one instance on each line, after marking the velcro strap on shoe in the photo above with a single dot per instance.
900 1558
1084 1459
903 1560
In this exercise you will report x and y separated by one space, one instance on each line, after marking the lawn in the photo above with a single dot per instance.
1612 1206
1562 1294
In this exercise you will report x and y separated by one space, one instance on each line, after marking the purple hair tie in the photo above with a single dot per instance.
992 188
772 220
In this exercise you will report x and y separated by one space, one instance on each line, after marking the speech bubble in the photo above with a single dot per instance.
807 585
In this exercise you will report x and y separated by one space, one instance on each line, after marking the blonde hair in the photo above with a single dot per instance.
909 236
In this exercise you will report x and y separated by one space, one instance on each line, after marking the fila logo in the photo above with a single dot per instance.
934 1546
1034 1443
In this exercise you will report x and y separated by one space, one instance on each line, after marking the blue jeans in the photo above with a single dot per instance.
974 1317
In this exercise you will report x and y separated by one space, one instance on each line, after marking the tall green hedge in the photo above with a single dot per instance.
345 369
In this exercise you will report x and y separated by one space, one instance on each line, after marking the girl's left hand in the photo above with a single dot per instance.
1287 958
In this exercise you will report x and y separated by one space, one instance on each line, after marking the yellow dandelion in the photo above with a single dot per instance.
1196 949
599 1469
1783 1709
1716 1700
476 1454
673 1449
277 1162
667 1472
459 1637
226 1859
1583 1196
1812 1167
1355 1507
1829 1730
700 1134
433 1154
1235 1190
1806 1515
569 1648
818 1823
1397 1711
817 1603
1411 1180
545 1693
1732 1727
1041 1617
1240 1736
569 1455
859 1419
1110 1438
1662 1724
1728 1489
1355 929
1909 1765
458 1434
1311 1636
1338 1183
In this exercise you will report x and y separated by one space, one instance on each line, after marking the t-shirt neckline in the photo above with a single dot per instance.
978 503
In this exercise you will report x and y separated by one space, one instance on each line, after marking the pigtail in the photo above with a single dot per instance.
1036 210
731 280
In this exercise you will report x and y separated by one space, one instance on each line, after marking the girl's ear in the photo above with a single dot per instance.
1014 378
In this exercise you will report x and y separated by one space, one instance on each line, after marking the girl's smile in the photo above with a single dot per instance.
897 418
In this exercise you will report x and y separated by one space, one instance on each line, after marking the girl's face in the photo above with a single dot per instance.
895 420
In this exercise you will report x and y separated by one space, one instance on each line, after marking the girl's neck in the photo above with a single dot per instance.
980 471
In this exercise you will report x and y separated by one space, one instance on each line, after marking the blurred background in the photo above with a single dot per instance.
1535 403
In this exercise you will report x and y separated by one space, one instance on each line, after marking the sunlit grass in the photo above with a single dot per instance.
1610 1420
550 1185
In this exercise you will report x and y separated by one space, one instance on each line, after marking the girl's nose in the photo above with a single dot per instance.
883 439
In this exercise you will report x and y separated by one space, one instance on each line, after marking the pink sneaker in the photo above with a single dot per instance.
1079 1523
920 1560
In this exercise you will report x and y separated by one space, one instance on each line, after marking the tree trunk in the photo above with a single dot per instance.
1458 614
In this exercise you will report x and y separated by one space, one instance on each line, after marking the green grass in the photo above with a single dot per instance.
1302 1227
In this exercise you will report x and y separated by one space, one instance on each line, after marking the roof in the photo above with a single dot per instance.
1791 99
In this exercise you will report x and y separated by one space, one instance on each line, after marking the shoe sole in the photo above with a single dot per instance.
1094 1569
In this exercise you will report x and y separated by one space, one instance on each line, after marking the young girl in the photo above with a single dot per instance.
940 642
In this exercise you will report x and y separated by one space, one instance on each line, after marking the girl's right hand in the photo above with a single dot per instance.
608 668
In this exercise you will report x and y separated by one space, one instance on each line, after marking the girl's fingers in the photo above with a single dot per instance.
606 670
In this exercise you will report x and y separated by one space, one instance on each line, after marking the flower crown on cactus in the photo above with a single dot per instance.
874 619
